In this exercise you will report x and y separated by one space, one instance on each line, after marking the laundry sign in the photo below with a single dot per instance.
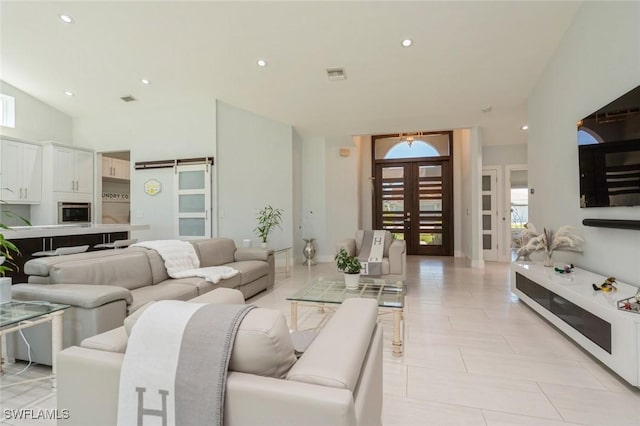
115 196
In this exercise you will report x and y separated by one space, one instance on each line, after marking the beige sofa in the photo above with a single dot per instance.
104 287
337 381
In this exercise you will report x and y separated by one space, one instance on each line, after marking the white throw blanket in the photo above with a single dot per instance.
175 367
177 255
181 261
211 273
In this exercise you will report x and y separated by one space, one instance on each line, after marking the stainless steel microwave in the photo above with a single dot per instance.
74 212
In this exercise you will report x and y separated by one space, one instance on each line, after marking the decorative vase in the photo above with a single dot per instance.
309 252
548 261
264 245
5 289
351 281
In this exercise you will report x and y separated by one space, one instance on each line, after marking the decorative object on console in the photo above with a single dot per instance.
351 266
268 219
309 252
607 286
566 269
630 304
564 239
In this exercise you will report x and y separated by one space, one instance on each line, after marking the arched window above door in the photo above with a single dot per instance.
416 145
417 148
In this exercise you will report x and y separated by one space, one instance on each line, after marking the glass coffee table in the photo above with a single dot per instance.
390 294
16 315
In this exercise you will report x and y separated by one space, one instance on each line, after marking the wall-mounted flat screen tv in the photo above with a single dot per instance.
609 151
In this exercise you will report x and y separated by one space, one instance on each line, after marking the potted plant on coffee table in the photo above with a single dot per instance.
268 219
351 266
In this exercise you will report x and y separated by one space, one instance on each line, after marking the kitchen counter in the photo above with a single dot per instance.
44 231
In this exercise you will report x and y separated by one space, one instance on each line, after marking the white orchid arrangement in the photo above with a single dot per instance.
564 239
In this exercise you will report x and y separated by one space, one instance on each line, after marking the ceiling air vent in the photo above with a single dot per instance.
128 98
336 74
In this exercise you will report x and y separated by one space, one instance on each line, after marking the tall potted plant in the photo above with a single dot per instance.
268 219
351 266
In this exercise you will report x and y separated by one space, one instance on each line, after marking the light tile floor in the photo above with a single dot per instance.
474 355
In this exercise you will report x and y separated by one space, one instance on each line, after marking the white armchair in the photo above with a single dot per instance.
394 262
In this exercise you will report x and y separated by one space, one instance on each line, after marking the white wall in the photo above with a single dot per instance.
597 61
182 130
342 181
297 213
314 196
255 158
366 187
35 120
469 143
502 155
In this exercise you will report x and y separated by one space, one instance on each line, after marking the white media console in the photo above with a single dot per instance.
591 318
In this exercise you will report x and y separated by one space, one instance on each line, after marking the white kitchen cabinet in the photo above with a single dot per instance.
115 168
21 172
73 170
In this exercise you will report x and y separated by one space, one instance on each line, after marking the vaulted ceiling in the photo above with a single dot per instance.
465 57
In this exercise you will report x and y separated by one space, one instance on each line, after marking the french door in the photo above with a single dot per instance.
413 200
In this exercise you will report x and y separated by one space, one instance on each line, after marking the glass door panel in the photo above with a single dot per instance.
191 179
430 205
191 203
191 227
392 212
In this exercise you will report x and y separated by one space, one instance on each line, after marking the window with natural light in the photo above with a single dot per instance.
7 111
416 149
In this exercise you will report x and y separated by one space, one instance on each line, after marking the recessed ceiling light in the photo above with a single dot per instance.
407 42
487 108
262 63
68 93
525 127
145 81
66 18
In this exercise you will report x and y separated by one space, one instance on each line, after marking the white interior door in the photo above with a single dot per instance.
490 210
193 203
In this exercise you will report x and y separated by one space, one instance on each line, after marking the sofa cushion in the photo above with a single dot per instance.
201 285
41 266
129 270
337 353
215 252
81 295
110 341
156 263
219 295
250 270
167 290
263 345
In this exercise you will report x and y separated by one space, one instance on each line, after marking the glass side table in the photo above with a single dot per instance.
16 315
